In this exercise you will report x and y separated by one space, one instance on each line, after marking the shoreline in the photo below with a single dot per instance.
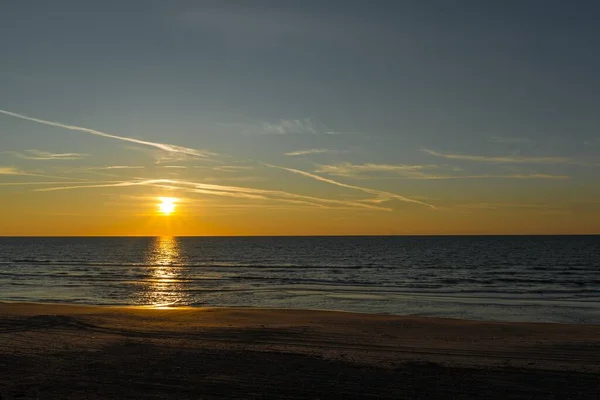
197 352
99 307
280 309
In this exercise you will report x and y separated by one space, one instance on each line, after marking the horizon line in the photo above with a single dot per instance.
301 235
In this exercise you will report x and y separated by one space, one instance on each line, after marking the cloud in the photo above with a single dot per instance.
223 190
505 159
229 168
510 140
415 172
45 155
105 184
290 126
342 133
489 176
354 170
495 206
535 176
118 167
378 193
11 171
40 183
540 209
300 126
234 179
283 127
309 151
245 192
170 148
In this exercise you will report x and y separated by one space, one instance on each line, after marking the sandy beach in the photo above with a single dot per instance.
73 352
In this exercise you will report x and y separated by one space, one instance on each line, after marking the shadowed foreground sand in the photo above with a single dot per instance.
69 352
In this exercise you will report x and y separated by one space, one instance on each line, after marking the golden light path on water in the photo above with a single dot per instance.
163 287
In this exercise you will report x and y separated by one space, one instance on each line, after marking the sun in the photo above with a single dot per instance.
167 205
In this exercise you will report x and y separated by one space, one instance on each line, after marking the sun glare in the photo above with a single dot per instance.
167 205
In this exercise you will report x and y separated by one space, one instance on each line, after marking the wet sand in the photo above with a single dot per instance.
70 352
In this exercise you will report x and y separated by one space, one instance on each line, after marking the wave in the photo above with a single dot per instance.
281 267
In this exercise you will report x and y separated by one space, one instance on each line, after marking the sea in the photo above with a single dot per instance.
492 278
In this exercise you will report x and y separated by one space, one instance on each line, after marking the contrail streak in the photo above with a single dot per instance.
162 146
345 185
221 190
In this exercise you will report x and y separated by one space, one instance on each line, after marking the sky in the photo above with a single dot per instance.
299 117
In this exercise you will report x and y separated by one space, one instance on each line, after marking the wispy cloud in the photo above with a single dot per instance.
491 176
234 179
95 185
170 148
343 133
118 167
510 140
283 127
354 170
422 172
379 193
11 171
290 126
503 159
225 191
512 208
310 151
42 183
46 155
496 206
229 168
301 126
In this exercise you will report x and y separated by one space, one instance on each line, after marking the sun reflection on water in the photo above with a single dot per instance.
163 285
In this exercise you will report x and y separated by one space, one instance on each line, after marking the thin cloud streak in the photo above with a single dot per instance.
117 167
380 193
170 148
510 140
290 126
416 172
45 155
503 160
514 176
104 184
283 127
222 190
309 151
495 206
42 183
12 171
333 133
349 169
287 195
228 168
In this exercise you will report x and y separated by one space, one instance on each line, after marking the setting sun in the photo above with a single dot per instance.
167 205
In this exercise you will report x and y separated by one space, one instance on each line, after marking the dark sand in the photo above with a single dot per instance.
69 352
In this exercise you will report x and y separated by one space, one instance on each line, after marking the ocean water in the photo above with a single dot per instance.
508 278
